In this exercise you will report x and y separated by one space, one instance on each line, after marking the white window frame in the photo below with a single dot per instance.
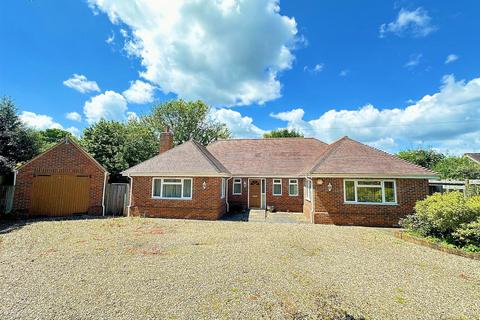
168 198
308 190
237 181
292 182
358 182
222 192
275 182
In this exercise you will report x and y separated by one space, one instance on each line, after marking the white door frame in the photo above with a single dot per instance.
262 194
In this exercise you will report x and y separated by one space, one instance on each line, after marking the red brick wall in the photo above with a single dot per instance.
65 159
281 203
331 209
206 204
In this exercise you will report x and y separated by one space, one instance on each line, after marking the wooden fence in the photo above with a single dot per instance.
6 199
116 199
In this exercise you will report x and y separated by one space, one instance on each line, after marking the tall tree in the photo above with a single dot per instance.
49 137
283 133
188 120
141 142
17 143
427 158
458 168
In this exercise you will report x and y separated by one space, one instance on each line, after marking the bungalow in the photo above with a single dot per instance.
346 182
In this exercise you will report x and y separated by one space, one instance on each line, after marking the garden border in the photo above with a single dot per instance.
400 234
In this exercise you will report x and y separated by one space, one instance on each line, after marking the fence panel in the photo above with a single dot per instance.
116 198
6 199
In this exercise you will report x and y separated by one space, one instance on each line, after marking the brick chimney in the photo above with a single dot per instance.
166 140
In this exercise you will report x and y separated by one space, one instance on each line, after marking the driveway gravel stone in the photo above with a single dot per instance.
132 268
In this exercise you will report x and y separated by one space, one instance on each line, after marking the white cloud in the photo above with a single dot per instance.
139 92
316 69
132 116
451 58
344 73
417 23
42 122
74 116
444 120
109 105
227 52
110 39
240 126
80 83
414 60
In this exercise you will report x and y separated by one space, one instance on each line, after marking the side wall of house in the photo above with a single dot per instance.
206 204
330 207
65 159
284 203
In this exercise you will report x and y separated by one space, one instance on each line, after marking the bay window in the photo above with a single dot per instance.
370 191
172 188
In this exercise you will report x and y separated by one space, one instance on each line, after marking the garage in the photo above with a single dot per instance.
64 180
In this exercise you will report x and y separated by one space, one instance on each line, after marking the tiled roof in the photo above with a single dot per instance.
267 157
474 156
189 158
346 156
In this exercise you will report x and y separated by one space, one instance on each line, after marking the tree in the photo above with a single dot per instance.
49 137
188 120
458 168
17 143
118 146
283 133
425 158
105 141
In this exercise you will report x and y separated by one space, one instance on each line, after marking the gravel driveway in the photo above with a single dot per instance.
173 269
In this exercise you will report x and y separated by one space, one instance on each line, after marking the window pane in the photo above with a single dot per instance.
187 188
389 191
172 180
277 189
369 183
369 194
157 185
237 188
293 190
172 190
349 190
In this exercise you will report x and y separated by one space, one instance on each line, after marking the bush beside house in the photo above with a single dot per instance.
449 218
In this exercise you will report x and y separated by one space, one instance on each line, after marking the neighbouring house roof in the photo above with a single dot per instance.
267 157
66 140
349 157
190 158
474 156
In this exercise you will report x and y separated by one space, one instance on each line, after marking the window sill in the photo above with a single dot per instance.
236 194
293 195
181 199
372 203
276 195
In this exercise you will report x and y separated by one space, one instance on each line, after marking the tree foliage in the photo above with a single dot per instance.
458 168
283 133
17 143
49 137
118 146
426 158
188 120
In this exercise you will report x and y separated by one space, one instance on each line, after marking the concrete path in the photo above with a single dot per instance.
256 215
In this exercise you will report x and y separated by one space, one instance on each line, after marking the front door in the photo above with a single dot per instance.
255 193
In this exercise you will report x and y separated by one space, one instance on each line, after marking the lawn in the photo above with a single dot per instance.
150 268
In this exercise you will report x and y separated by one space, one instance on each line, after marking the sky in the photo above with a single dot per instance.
393 74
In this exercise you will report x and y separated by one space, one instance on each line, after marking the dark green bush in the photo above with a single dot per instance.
468 235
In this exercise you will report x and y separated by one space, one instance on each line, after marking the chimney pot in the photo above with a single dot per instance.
166 140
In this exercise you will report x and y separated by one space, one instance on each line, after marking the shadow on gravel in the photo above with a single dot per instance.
9 224
239 216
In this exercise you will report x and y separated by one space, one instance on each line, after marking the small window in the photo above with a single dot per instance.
349 190
293 187
308 190
277 187
237 186
172 188
222 192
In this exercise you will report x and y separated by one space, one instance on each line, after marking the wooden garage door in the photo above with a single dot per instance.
60 195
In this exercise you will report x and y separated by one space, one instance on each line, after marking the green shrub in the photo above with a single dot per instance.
468 235
442 214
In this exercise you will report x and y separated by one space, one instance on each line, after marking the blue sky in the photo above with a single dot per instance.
393 74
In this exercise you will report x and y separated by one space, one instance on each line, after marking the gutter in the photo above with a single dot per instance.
130 195
103 196
15 172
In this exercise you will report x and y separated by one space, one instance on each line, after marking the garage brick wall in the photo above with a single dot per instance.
206 204
330 207
64 159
